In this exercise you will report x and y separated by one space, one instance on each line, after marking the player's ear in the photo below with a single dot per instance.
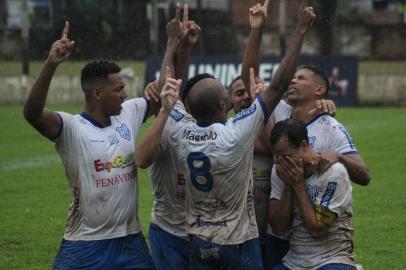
222 105
321 90
304 145
96 94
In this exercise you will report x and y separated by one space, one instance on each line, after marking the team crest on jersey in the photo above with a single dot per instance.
176 115
312 140
245 114
124 132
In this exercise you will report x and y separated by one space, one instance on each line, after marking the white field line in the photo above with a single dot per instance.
16 164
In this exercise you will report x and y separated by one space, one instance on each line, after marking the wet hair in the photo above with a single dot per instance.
291 129
95 71
192 81
319 74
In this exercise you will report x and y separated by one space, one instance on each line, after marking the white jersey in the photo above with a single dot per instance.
331 190
217 160
99 165
325 133
168 181
261 170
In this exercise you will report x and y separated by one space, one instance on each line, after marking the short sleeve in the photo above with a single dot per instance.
336 190
134 112
281 112
246 125
67 122
341 140
277 185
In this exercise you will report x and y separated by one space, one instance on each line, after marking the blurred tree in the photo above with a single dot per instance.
114 29
324 25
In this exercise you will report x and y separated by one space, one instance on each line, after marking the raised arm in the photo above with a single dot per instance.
174 33
252 54
190 35
43 120
149 144
284 73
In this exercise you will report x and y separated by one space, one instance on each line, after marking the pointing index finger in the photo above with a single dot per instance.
252 78
65 31
185 12
303 4
177 15
266 3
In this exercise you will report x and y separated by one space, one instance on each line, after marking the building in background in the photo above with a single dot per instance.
128 29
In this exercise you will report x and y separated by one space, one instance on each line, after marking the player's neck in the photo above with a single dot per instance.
312 162
301 112
98 116
207 121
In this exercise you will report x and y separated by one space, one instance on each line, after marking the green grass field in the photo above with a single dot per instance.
34 193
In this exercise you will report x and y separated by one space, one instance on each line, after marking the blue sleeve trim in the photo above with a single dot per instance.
264 109
60 128
350 152
147 110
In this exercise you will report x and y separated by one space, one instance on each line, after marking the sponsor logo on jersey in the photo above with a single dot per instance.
176 115
328 194
210 205
245 114
205 223
117 162
96 141
115 180
313 191
191 136
124 132
312 140
113 139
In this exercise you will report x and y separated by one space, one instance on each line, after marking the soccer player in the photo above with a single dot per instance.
169 241
320 223
96 148
262 161
332 146
216 155
326 134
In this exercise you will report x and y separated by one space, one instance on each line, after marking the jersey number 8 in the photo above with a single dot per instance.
199 167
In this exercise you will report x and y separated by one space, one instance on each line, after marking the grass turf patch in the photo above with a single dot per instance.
35 193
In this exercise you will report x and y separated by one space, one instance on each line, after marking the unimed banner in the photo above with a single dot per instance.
342 72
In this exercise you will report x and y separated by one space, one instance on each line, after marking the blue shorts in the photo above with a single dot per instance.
168 251
128 252
208 256
331 266
276 248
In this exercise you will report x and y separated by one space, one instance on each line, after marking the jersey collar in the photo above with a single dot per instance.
89 118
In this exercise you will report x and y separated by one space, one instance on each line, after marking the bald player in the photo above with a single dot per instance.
216 155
